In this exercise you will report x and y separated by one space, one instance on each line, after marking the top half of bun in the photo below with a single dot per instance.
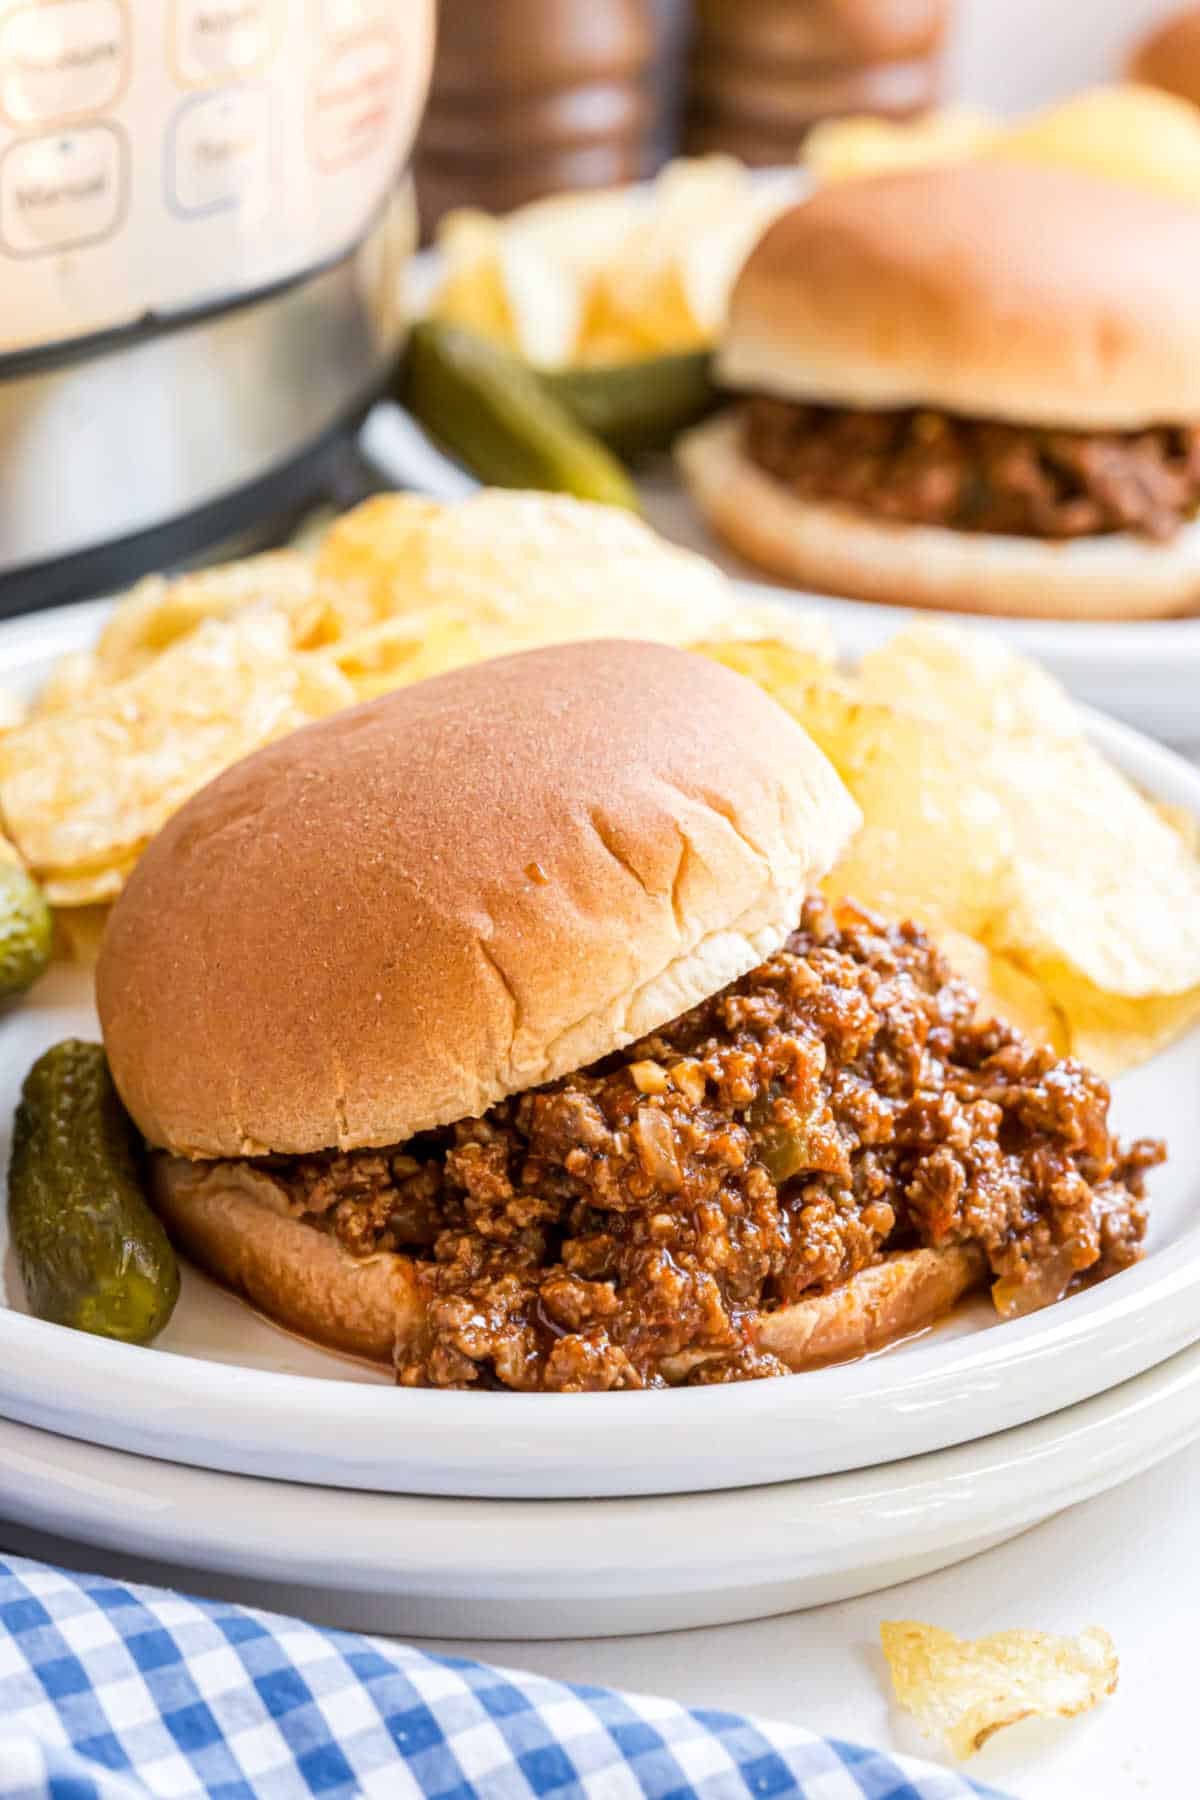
1169 56
395 917
1008 291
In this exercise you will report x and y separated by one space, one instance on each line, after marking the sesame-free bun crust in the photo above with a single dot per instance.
1170 56
394 917
836 550
1033 294
233 1221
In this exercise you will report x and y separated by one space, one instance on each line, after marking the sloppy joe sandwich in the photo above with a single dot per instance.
973 386
494 1029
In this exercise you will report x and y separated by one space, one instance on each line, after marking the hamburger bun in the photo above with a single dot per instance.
233 1221
836 550
1170 56
1038 295
395 917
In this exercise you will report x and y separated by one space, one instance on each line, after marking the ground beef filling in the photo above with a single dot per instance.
931 468
837 1104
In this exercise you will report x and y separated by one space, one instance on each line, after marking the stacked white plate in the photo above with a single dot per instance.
234 1457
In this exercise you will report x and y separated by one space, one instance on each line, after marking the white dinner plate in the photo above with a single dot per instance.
225 1389
415 1566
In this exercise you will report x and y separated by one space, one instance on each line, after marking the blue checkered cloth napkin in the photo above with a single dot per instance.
114 1692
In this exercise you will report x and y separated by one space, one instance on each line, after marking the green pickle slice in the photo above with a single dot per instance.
92 1253
26 930
489 409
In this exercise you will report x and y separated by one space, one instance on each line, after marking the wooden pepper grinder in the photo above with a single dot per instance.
763 72
531 97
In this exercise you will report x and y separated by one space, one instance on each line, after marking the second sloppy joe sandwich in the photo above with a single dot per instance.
494 1029
974 387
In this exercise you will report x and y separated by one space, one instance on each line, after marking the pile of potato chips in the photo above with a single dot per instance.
1070 901
191 674
608 276
1125 133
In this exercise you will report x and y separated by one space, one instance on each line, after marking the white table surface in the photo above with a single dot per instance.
1126 1561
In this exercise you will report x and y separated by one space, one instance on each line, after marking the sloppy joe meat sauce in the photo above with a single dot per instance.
837 1104
922 467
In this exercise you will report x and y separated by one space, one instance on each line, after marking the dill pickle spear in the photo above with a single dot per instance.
636 407
489 409
26 930
92 1253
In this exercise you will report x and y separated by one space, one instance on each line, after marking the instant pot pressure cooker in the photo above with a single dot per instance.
200 235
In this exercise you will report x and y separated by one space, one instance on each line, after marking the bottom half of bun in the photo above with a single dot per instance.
837 550
231 1220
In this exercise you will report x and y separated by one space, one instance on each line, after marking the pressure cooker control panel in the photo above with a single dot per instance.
158 156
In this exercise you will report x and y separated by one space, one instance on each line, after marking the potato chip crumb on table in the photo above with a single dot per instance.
962 1689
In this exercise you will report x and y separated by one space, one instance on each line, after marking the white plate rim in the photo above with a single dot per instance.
1003 1482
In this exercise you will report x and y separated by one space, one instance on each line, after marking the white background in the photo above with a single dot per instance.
1014 54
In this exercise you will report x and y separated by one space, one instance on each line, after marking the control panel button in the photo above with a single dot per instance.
353 98
62 191
222 40
219 151
62 59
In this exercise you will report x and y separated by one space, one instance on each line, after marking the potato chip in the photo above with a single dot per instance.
545 300
693 202
962 1690
158 612
988 813
778 664
1125 133
434 586
842 149
87 885
77 933
526 280
966 678
609 275
82 791
471 291
1185 824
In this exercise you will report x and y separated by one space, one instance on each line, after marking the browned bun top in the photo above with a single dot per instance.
1007 291
1170 56
398 915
